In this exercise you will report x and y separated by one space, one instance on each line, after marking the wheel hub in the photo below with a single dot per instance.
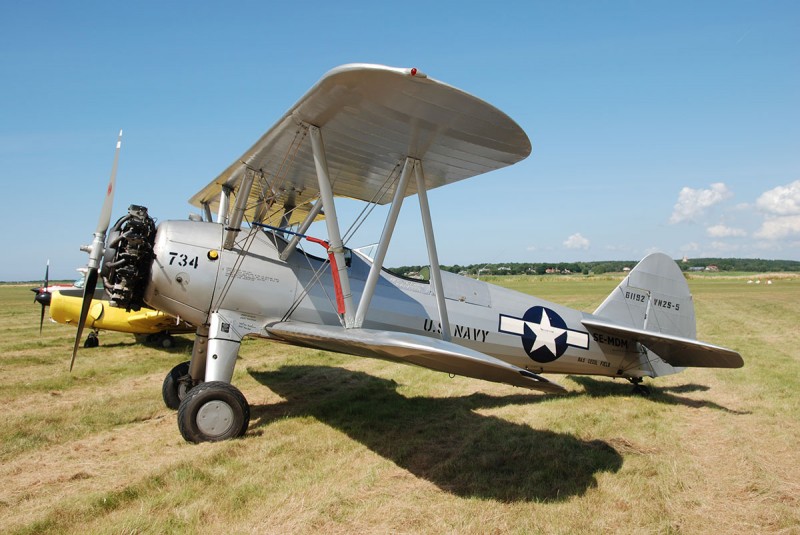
214 418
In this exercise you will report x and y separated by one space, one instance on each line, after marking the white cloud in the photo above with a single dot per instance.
693 202
721 231
781 201
775 228
576 241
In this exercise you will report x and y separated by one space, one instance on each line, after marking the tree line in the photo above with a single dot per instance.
756 265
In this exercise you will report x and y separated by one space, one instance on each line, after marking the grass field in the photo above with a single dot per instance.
341 444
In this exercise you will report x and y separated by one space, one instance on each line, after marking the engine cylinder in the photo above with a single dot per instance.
128 257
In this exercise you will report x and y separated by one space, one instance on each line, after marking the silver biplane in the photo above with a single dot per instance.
379 135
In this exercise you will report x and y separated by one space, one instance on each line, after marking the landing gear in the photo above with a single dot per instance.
91 340
176 384
166 341
638 388
213 411
162 339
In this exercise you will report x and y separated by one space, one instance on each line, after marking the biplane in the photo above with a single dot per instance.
147 325
250 268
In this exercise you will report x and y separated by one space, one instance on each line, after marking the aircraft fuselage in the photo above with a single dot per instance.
193 276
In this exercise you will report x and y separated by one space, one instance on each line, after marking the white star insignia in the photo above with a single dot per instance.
546 335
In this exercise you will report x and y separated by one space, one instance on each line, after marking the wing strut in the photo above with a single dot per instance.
224 201
332 222
433 257
383 244
207 212
292 245
234 224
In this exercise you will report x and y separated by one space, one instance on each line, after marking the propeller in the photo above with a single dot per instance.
96 251
43 294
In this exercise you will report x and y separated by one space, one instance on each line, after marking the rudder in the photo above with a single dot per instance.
653 297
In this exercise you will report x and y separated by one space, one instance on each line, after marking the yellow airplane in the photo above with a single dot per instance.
152 325
65 300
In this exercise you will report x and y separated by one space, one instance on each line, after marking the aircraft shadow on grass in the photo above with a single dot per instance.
180 345
660 394
442 440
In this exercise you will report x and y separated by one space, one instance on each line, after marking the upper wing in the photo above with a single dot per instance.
674 350
371 118
408 348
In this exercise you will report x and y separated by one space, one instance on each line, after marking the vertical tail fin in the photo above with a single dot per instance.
653 297
653 307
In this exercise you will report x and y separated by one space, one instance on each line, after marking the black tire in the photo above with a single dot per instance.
167 341
91 341
212 412
173 390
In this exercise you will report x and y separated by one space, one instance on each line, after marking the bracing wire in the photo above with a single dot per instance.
390 181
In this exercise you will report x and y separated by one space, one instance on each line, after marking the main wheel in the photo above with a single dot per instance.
91 341
176 384
167 341
213 411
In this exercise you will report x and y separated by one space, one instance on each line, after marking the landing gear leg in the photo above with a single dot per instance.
214 410
638 388
186 375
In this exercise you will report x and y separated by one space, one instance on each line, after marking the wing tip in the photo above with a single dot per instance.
545 385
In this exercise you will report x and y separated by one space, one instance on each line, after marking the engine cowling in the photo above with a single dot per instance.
186 261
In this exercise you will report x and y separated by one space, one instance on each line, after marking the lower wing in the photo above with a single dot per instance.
408 348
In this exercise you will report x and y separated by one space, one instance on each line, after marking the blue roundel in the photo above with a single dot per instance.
545 337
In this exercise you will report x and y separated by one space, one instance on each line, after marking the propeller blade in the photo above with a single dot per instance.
41 321
90 282
45 284
43 294
105 213
96 250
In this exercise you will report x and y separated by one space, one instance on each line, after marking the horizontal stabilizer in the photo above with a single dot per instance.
674 350
408 348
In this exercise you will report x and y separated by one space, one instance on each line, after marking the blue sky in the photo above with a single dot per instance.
671 126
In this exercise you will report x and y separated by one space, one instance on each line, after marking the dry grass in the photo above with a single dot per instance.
342 445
